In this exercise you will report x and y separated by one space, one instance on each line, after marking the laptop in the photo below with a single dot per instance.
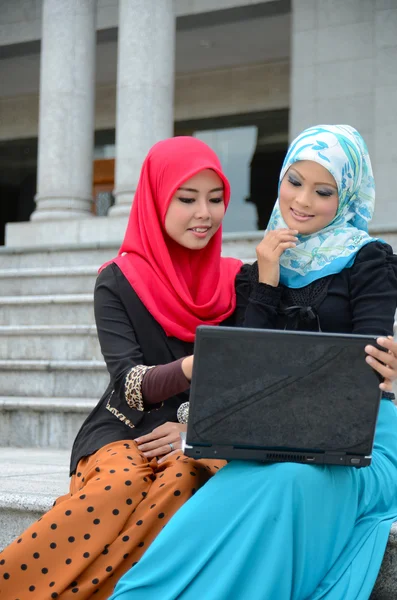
282 396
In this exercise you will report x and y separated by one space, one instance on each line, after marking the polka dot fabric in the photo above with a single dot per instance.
117 504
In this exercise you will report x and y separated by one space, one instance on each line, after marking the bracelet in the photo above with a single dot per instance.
183 413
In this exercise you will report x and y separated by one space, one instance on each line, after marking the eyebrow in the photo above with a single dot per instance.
218 189
316 182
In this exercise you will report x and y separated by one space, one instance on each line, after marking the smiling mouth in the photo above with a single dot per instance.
301 216
200 229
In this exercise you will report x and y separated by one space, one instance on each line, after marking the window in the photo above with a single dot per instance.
235 147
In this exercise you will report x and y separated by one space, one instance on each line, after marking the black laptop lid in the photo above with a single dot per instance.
284 390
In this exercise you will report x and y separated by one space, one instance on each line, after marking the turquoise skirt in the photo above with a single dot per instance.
277 532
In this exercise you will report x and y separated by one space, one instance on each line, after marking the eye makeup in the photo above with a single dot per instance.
294 181
325 193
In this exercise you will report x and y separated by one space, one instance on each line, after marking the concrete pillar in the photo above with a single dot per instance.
145 89
66 120
344 71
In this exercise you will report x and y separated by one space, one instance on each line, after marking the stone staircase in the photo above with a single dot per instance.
51 368
52 373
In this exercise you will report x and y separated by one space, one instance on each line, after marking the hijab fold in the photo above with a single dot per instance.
180 287
342 151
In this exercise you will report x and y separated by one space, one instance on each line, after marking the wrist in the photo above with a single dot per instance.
187 367
269 275
267 281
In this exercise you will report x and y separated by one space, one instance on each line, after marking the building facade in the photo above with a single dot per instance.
87 86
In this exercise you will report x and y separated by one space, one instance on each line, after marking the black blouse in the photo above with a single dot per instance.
130 336
359 300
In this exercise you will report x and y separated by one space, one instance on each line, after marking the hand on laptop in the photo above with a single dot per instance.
162 441
384 362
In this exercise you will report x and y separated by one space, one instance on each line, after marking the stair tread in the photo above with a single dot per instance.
42 365
47 329
30 479
47 298
49 271
57 404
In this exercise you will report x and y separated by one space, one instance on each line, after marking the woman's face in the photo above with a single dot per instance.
308 197
196 210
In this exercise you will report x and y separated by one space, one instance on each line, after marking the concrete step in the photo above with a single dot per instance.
43 378
49 342
68 309
52 280
239 245
29 422
56 256
31 481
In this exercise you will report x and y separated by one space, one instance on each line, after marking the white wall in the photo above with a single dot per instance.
232 91
343 70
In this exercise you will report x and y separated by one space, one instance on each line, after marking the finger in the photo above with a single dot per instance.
165 449
383 356
386 386
287 232
284 246
266 249
284 230
167 456
154 444
284 237
383 370
157 433
149 437
158 451
389 343
173 439
276 236
285 240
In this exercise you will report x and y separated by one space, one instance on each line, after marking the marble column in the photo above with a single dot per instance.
66 120
145 89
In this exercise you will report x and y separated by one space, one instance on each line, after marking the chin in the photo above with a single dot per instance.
302 228
195 244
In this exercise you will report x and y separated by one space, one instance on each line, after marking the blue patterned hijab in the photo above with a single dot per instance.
342 151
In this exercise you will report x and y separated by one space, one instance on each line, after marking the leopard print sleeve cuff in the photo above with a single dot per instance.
133 386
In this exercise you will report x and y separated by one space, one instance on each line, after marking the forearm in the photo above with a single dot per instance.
162 382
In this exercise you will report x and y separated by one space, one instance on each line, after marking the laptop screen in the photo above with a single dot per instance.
282 390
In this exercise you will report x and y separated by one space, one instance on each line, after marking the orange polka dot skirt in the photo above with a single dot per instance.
117 504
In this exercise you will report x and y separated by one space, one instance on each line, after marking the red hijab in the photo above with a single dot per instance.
181 288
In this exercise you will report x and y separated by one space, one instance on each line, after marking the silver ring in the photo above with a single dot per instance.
171 446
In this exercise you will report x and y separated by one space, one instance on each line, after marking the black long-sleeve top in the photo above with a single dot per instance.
130 336
361 299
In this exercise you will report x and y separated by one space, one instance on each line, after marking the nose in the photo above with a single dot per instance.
202 210
303 197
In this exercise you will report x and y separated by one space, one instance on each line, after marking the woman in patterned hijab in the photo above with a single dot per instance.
341 150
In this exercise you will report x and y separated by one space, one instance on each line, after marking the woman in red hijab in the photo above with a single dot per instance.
128 476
